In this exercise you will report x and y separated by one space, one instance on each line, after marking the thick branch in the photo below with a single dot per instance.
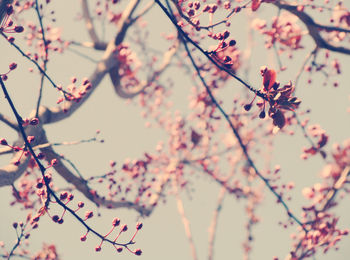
96 43
55 114
8 122
10 173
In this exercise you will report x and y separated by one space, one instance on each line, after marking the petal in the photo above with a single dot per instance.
279 119
255 5
269 79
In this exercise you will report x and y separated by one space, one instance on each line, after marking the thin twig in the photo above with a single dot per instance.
36 64
184 37
240 141
46 59
207 54
42 169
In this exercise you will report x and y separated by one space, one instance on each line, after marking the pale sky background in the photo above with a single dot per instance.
122 127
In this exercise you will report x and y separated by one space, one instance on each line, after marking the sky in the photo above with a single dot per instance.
125 136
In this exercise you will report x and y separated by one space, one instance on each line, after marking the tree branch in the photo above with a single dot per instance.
96 43
214 221
9 122
314 28
82 186
123 93
10 173
185 221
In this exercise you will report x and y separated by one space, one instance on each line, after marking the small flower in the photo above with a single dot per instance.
47 178
255 5
63 195
138 252
124 228
34 121
54 162
13 66
36 218
9 10
70 197
112 163
16 163
89 214
278 118
19 29
116 222
55 218
40 156
247 107
226 34
262 114
30 139
139 226
3 141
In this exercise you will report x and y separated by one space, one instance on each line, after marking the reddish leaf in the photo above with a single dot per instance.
255 5
278 119
311 150
195 137
323 141
269 79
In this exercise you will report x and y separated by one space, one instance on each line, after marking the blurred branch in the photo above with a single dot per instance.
101 46
185 221
9 122
185 38
214 221
96 43
122 92
10 173
143 12
314 28
336 187
78 53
